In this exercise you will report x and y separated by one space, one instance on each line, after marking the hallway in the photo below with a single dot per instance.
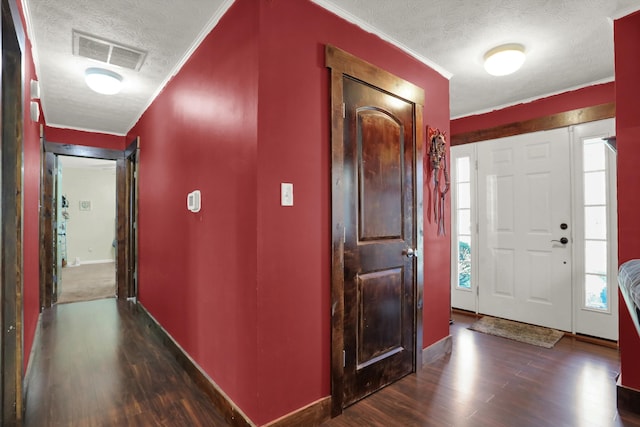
97 365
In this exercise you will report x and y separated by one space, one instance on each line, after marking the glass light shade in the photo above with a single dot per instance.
505 59
103 81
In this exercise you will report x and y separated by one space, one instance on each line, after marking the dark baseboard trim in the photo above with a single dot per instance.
311 415
466 313
593 340
437 350
32 356
232 414
628 398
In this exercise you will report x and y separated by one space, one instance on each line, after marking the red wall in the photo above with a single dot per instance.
627 39
198 271
31 201
294 252
91 139
585 97
244 285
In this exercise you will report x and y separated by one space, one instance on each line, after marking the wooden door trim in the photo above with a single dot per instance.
12 153
343 64
82 151
127 258
553 121
46 231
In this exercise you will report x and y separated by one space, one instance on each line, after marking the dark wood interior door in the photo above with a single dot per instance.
379 240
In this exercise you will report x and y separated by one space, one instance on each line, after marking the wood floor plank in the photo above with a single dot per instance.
492 381
97 365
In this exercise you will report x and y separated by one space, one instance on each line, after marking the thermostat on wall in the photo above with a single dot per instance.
193 201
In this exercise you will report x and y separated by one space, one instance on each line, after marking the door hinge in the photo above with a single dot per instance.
344 234
344 358
344 110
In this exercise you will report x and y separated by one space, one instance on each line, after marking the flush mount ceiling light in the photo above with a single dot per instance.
103 81
504 59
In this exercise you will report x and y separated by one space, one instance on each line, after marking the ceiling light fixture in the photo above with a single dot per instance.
504 59
103 81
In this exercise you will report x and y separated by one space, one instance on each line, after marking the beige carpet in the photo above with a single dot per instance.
523 332
88 282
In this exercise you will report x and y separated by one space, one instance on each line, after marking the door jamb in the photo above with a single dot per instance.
11 246
46 273
127 183
343 64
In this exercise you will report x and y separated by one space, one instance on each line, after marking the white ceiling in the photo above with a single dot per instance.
569 44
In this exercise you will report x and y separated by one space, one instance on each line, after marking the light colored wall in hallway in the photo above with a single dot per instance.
90 233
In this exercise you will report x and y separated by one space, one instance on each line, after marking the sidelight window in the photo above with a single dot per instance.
463 224
596 236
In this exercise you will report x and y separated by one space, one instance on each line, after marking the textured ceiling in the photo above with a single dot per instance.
166 29
569 44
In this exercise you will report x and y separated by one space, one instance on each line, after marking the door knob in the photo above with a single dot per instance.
411 253
562 240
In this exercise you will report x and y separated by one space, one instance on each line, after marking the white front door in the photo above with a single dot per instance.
524 215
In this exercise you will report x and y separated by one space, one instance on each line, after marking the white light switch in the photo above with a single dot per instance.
286 194
193 201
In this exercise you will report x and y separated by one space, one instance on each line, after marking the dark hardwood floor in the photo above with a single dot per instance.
491 381
97 365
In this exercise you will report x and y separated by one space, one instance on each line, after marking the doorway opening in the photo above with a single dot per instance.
116 231
85 197
534 229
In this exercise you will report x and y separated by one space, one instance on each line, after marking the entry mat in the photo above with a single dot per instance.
530 334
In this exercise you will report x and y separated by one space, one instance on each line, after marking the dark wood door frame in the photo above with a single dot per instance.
554 121
128 210
11 155
343 64
124 263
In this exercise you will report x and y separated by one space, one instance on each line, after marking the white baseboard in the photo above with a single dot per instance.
95 261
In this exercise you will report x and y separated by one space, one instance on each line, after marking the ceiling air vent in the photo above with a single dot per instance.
98 49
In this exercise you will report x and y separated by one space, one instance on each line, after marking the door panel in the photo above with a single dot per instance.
380 175
379 229
525 195
379 331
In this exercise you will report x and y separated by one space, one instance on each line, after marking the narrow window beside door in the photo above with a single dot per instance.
595 225
463 229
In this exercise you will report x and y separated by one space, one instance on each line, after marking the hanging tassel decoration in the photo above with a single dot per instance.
438 157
